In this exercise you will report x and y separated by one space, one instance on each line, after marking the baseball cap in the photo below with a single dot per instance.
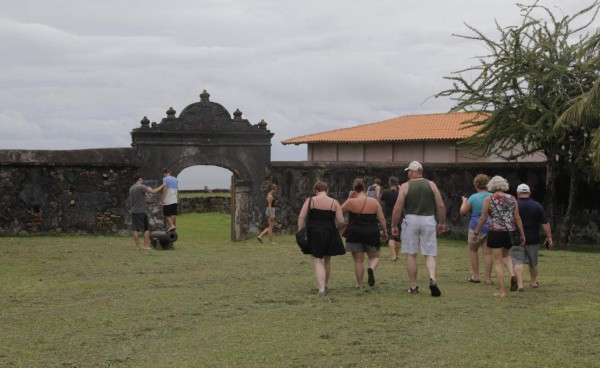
414 166
523 188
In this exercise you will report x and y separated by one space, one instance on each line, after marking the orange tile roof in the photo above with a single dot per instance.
403 128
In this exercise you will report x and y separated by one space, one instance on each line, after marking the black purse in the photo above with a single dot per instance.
302 240
302 234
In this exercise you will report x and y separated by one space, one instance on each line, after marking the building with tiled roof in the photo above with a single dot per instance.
429 138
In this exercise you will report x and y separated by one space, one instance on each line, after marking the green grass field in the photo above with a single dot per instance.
93 301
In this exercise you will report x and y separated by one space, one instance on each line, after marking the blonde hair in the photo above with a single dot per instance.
497 183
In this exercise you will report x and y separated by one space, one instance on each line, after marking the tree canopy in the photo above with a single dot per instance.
534 73
529 78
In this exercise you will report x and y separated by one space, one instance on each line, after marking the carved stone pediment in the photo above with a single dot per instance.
205 117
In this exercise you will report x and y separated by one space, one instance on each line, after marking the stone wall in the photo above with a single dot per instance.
86 191
296 180
65 191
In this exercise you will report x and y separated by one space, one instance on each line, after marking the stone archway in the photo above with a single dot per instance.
206 134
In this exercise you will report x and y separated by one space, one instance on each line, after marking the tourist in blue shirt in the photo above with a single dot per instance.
473 206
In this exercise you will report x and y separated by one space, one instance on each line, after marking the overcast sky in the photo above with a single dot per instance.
83 73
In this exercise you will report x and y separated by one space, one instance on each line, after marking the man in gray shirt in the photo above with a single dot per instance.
139 217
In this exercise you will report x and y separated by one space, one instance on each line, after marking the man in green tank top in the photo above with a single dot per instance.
419 199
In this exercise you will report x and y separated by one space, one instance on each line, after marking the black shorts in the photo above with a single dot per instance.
498 239
139 222
170 209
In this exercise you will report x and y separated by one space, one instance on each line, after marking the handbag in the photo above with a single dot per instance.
515 237
302 234
302 240
345 232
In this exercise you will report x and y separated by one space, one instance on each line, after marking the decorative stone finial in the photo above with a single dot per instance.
171 113
237 114
204 96
145 122
262 124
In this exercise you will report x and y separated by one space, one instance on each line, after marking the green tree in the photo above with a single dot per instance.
584 114
530 76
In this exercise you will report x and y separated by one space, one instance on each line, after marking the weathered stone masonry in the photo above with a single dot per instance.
69 191
87 190
65 191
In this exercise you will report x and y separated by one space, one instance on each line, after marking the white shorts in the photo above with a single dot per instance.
419 231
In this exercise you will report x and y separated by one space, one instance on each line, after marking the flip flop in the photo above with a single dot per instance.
534 286
470 279
259 239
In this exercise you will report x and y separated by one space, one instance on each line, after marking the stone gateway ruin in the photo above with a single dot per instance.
86 190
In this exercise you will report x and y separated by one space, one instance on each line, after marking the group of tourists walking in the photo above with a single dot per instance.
409 217
369 225
494 215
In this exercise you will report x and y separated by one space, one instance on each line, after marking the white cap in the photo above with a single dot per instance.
414 166
523 188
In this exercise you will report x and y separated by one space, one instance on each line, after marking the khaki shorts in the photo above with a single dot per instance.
475 244
527 254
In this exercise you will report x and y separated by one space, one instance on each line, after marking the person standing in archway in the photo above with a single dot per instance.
270 213
139 216
169 198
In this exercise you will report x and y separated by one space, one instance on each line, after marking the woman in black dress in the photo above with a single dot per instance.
319 214
364 224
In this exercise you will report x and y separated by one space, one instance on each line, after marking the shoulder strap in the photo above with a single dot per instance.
500 213
308 211
360 213
332 202
363 207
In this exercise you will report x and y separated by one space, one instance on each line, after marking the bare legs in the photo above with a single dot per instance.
394 249
268 231
533 272
136 239
322 271
170 222
411 268
501 257
519 273
487 259
359 268
431 264
474 256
